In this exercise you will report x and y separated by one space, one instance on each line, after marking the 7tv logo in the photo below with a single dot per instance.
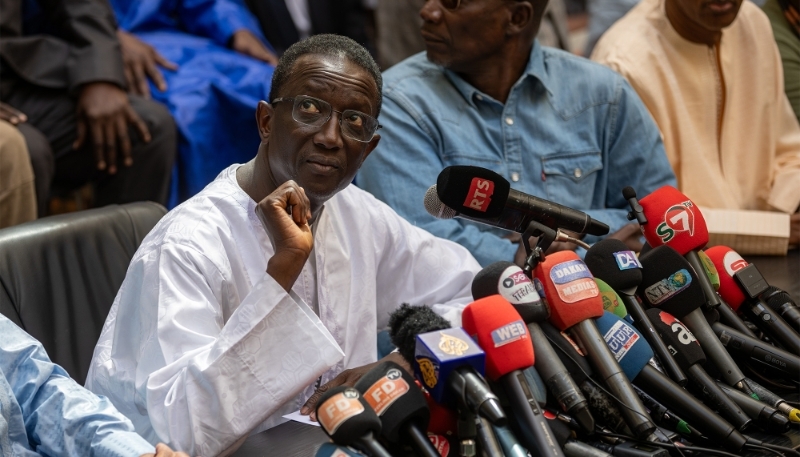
678 218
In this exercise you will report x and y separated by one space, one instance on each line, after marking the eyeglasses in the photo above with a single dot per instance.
315 112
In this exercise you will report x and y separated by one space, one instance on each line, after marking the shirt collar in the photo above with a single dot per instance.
535 69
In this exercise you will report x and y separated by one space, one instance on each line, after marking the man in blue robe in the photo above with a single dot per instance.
215 69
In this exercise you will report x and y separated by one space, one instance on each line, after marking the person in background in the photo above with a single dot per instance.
45 412
486 93
207 61
710 75
17 193
62 73
784 16
251 299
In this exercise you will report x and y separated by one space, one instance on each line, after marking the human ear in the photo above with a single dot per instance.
264 115
521 17
373 143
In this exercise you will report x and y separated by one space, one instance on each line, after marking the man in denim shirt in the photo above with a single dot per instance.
555 125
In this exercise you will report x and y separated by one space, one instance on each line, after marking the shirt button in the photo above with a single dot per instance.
509 121
479 97
578 173
515 176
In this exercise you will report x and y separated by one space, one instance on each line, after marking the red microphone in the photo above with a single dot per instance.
574 299
502 334
728 262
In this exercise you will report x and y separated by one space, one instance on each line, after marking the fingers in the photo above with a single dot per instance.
138 123
155 74
311 404
162 450
98 143
160 60
110 135
11 114
142 88
124 141
81 128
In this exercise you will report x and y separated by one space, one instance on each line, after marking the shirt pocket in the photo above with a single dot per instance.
570 178
455 157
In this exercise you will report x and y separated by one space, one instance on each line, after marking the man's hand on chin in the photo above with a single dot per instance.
349 378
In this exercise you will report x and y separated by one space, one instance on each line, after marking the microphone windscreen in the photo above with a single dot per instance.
569 288
508 280
444 420
332 450
613 262
668 282
345 416
501 333
681 343
710 269
435 207
409 321
473 191
628 346
571 356
611 301
728 262
394 396
674 220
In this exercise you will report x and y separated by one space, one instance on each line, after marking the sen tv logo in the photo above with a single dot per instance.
733 262
678 218
480 194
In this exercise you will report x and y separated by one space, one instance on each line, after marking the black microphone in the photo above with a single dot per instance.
484 196
404 413
738 343
612 261
781 302
666 418
765 416
349 420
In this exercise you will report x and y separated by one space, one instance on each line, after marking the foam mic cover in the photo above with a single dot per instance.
458 185
612 261
508 280
346 416
569 288
611 301
332 450
394 396
628 346
728 262
668 282
680 341
409 321
710 269
501 333
674 220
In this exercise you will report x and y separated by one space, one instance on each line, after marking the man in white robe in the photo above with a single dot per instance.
276 277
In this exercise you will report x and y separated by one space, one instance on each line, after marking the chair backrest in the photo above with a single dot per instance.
59 275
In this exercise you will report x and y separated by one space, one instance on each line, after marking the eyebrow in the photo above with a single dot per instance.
365 103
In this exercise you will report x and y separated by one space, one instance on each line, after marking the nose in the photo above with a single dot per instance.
329 135
431 11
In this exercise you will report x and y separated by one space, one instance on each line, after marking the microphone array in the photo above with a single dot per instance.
619 354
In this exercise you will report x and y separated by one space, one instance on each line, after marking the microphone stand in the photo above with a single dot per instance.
546 236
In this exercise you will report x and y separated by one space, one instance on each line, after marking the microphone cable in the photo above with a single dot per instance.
760 445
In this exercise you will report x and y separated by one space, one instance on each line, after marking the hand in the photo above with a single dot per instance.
631 235
285 214
12 115
349 378
794 229
140 61
162 450
243 41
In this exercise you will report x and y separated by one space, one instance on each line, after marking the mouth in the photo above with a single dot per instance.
431 38
323 166
720 7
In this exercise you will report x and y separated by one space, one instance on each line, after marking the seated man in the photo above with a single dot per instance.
710 74
44 412
555 125
62 71
218 69
277 276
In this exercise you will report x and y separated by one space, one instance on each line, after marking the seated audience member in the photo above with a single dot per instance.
62 68
45 412
17 194
234 310
710 74
218 68
784 15
488 94
285 22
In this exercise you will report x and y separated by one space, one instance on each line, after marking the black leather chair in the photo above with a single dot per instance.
59 275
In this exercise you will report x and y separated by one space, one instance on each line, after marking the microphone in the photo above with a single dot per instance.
573 297
511 283
727 315
499 329
332 450
395 398
664 417
628 449
742 284
614 263
767 417
611 300
669 284
484 196
446 361
633 354
349 420
739 343
781 302
689 355
775 401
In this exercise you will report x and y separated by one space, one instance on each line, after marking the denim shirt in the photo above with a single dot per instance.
44 412
571 131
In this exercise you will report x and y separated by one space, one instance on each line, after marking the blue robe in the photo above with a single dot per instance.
214 93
